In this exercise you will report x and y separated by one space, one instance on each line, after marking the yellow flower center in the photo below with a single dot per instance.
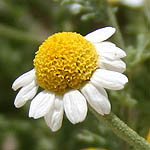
65 61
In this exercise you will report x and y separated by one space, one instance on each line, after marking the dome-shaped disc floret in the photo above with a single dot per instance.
65 61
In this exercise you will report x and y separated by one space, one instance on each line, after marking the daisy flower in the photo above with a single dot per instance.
133 3
72 70
129 3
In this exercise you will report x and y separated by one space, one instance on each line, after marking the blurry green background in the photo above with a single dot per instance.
24 24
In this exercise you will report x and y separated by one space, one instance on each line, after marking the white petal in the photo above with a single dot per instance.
25 94
114 65
96 98
55 116
109 79
109 51
24 79
41 104
106 43
100 34
75 106
101 89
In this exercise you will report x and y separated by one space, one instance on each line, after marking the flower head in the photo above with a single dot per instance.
133 3
129 3
72 70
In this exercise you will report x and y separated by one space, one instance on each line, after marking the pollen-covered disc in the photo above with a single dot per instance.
65 61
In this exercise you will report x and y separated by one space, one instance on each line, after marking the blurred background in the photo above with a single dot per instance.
24 24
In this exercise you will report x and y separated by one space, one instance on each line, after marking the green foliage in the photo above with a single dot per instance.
24 24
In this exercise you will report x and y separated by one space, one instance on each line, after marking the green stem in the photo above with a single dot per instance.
123 131
114 23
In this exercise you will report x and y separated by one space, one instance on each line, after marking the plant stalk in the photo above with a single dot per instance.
123 131
114 23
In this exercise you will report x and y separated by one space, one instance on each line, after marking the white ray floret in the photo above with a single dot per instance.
109 79
109 51
24 79
41 104
100 34
113 65
106 43
97 98
25 94
55 115
75 106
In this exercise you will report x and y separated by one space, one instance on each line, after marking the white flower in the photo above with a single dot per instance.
133 3
67 69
